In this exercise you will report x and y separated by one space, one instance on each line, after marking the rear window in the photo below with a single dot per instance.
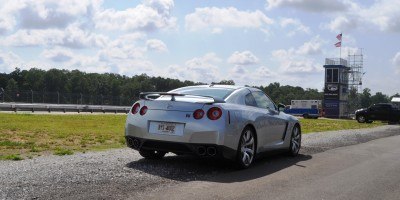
220 93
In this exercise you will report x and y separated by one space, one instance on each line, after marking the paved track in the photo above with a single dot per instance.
364 171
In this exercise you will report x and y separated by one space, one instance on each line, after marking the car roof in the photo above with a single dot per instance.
383 104
217 86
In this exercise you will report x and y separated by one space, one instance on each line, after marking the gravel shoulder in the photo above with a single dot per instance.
122 173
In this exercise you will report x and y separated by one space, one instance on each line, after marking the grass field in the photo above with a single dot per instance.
30 135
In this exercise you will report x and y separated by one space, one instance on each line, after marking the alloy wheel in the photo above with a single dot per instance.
295 141
361 119
247 147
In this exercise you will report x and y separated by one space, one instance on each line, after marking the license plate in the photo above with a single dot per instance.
166 128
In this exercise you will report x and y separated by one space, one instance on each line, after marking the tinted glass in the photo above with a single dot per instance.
263 101
220 93
250 101
335 76
374 107
329 75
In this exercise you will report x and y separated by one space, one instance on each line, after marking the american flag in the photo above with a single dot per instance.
338 44
339 37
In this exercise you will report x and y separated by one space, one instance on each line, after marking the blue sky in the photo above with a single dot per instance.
251 42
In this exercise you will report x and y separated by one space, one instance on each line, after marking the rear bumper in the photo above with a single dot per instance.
198 149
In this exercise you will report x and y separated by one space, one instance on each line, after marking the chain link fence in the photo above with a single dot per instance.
29 96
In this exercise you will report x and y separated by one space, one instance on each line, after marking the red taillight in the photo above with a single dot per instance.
214 113
143 110
135 108
198 114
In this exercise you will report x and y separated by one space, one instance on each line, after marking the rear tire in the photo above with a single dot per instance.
246 151
361 119
295 141
152 154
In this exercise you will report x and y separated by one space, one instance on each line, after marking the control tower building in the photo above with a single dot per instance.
336 90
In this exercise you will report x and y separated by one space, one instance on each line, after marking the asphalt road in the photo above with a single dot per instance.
364 171
354 164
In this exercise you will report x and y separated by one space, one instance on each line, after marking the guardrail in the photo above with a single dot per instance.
62 108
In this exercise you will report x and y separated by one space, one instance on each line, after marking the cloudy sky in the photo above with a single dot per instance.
251 42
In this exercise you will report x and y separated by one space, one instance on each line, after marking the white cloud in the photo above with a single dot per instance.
199 69
72 37
216 19
382 15
150 16
9 61
295 24
298 61
43 14
58 55
164 7
396 62
312 47
310 5
6 23
124 47
156 45
243 58
343 23
259 76
309 48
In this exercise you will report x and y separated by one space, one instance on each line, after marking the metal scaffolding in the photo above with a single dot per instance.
356 72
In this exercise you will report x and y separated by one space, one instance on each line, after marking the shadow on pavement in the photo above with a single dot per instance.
190 168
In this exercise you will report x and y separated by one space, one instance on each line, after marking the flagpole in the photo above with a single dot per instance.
339 44
340 49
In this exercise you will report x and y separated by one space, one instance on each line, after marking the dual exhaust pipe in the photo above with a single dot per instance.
133 142
206 151
211 151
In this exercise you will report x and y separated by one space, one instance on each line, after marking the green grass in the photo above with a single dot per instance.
62 152
321 125
11 157
30 135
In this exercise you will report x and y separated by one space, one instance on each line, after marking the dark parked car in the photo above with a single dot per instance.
378 112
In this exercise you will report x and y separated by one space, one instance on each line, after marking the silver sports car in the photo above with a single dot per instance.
231 122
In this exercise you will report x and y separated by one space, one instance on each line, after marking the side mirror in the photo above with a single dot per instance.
281 107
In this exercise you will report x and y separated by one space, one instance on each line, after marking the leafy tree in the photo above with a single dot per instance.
365 98
225 82
74 86
379 98
354 100
12 85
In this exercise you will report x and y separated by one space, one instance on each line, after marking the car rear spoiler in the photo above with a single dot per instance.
153 95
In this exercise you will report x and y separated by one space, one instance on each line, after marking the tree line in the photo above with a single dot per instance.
64 86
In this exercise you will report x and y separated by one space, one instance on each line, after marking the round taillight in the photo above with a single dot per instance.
143 110
135 108
214 113
198 114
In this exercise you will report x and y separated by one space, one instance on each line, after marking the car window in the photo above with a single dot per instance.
375 107
263 101
386 107
250 101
